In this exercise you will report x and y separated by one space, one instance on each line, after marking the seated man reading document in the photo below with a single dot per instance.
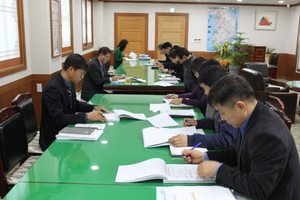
265 162
59 103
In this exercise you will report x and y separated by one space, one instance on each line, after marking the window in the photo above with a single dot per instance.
67 27
12 39
87 24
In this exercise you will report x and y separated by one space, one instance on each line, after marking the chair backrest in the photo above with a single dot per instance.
276 102
254 78
13 141
274 59
288 122
260 67
26 107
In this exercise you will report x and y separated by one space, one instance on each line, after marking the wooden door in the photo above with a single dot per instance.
134 28
171 27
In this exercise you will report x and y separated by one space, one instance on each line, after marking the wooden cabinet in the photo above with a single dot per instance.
257 53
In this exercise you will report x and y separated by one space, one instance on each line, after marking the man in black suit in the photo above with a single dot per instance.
97 75
265 162
59 103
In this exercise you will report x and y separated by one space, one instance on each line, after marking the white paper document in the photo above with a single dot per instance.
163 84
159 106
156 168
123 114
137 79
193 193
162 120
133 55
169 79
131 60
179 113
97 126
182 105
156 137
176 151
165 75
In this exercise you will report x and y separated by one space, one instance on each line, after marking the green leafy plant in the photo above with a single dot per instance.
239 53
270 50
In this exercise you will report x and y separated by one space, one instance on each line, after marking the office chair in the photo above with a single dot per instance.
13 148
263 68
273 59
262 93
288 122
25 105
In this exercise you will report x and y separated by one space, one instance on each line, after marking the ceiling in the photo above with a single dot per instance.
270 2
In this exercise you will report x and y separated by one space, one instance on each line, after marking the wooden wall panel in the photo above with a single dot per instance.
286 66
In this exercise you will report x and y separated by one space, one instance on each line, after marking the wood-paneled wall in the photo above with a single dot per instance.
286 66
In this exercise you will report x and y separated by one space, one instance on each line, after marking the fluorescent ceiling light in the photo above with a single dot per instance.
280 1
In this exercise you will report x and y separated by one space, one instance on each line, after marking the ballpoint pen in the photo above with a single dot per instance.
197 145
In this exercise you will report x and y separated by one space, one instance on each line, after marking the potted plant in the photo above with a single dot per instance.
223 54
269 50
239 53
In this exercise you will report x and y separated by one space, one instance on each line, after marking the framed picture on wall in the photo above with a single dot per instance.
265 20
55 28
298 50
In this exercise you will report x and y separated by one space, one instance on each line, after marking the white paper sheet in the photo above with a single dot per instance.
162 120
159 106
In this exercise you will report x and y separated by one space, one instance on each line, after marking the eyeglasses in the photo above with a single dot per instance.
82 73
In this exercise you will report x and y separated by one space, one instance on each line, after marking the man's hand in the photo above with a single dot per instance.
171 96
114 78
193 156
180 140
176 101
189 122
207 168
122 76
96 116
102 109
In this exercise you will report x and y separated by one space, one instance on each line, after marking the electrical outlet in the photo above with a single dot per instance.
39 87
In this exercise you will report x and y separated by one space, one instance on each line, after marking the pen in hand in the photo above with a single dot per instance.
197 145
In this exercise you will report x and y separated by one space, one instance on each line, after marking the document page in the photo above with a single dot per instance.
176 151
133 55
173 105
159 106
179 113
163 83
162 120
97 126
193 193
185 173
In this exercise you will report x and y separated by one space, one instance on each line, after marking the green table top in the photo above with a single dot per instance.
121 144
294 84
139 69
38 191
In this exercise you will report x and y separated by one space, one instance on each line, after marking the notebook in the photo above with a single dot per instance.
156 168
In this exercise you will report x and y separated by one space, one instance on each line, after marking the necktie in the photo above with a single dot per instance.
70 96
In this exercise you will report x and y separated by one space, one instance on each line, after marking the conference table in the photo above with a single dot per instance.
141 69
76 169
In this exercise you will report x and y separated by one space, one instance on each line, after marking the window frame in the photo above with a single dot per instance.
16 64
70 49
87 45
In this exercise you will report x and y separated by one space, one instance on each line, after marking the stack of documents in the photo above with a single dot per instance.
156 168
79 133
163 83
123 114
194 192
169 79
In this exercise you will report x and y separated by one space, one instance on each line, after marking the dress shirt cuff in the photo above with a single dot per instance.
206 156
86 117
110 79
218 168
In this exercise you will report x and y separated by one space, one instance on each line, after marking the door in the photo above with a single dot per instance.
171 27
134 28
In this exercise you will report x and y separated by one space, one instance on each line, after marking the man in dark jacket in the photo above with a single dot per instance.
97 75
59 103
265 162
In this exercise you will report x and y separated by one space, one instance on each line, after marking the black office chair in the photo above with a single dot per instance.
262 93
13 148
263 69
273 60
25 105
